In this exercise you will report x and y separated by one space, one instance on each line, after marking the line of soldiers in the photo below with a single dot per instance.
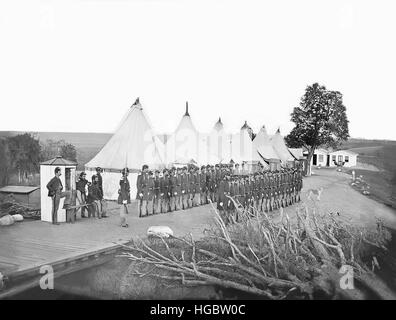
182 188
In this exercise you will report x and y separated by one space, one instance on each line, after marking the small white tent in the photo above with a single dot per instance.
281 149
132 145
184 143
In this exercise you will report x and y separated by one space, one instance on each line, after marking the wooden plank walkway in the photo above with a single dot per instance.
28 245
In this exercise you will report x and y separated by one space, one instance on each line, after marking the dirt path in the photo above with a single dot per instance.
338 196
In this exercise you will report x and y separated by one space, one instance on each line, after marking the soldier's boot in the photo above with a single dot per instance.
144 208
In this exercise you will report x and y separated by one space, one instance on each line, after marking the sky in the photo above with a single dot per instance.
79 65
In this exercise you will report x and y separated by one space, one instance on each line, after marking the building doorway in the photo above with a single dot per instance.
328 161
315 159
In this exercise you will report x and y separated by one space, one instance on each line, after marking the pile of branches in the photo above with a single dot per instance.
299 259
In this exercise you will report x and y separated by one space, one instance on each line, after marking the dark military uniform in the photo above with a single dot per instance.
157 195
140 185
148 195
173 190
203 186
184 190
178 191
164 193
55 188
197 189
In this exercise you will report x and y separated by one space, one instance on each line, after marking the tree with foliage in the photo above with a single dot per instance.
5 162
24 152
320 120
69 152
51 149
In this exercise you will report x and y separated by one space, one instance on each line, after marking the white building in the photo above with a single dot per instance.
328 158
349 158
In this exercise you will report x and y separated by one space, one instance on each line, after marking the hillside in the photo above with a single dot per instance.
87 144
381 154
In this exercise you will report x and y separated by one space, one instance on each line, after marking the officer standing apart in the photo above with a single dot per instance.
124 197
140 185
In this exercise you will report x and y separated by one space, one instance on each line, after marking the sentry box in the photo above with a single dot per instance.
68 178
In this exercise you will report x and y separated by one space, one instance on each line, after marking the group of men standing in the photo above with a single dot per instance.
90 195
182 188
263 191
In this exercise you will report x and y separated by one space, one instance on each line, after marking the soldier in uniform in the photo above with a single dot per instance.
217 179
203 185
260 191
271 191
214 184
236 169
184 188
208 183
165 191
81 193
221 195
294 185
140 186
276 190
233 193
150 193
299 184
291 186
266 198
124 197
197 188
282 200
99 170
172 187
96 196
178 190
191 187
157 193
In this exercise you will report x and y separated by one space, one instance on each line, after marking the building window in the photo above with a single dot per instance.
333 158
346 158
340 158
321 158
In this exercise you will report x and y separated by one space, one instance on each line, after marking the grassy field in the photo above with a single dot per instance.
382 154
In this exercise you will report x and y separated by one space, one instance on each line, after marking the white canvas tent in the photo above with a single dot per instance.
281 149
242 149
132 145
185 143
218 145
263 145
297 153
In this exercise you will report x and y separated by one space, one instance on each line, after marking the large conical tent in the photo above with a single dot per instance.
218 145
263 145
280 147
184 143
242 146
132 145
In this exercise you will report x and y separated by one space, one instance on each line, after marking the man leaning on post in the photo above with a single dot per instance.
55 188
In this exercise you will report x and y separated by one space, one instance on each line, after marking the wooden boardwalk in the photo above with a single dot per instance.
28 245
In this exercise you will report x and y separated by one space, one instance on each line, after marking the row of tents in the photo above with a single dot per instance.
135 143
